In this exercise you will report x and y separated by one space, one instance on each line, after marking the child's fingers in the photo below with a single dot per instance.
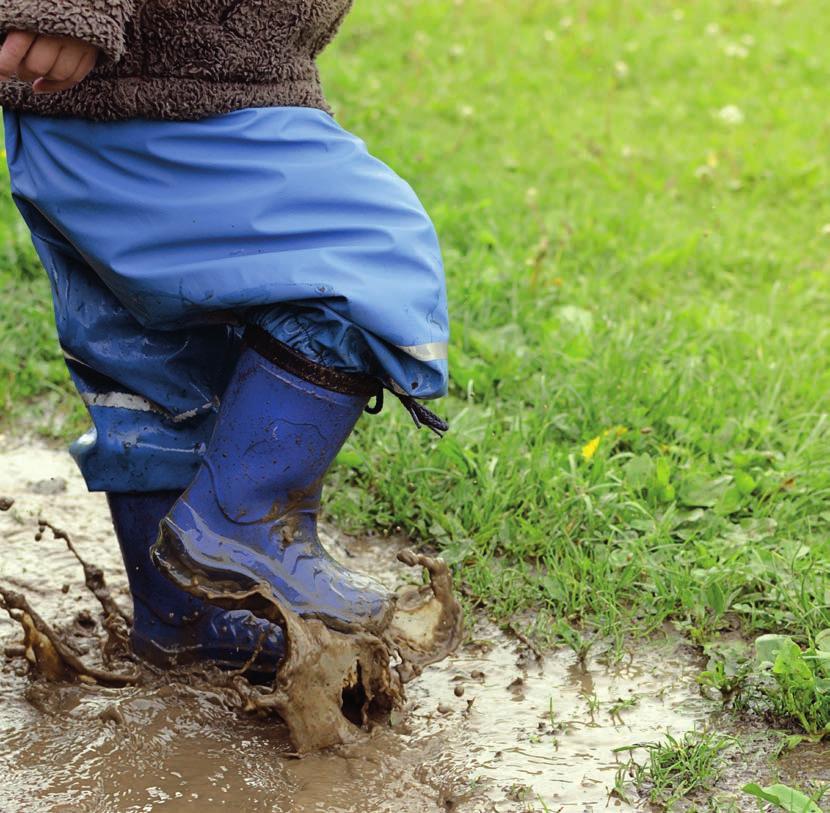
40 58
14 49
52 86
84 66
88 62
66 64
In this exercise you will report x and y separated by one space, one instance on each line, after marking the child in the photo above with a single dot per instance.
212 236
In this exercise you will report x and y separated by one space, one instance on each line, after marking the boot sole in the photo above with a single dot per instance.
156 655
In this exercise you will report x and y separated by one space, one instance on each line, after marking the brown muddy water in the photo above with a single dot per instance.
488 729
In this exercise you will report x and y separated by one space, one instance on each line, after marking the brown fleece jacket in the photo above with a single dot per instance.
180 59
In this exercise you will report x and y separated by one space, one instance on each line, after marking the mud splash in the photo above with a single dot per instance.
332 685
488 729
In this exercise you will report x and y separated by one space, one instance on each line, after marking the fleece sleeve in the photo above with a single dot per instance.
99 22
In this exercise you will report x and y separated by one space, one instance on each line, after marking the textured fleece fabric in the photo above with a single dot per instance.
180 59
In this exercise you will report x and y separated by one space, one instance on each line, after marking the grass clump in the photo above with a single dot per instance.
640 304
675 768
787 683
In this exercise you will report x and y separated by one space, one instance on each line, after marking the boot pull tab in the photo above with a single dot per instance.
374 409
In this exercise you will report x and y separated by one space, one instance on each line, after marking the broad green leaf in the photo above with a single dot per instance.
823 641
690 517
790 742
823 685
715 598
350 459
758 792
731 501
666 493
639 471
745 482
701 492
788 799
767 647
790 663
457 551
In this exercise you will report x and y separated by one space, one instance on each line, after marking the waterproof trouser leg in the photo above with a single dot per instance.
152 398
171 627
270 216
250 515
164 239
152 395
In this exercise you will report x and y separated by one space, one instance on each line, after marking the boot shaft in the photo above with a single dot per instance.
249 518
279 435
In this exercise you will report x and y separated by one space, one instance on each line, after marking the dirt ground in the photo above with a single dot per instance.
489 729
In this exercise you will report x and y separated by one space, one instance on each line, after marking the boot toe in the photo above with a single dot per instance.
244 637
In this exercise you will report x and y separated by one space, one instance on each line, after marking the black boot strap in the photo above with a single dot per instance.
297 364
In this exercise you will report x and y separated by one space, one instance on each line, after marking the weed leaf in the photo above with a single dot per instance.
788 799
823 641
701 492
767 647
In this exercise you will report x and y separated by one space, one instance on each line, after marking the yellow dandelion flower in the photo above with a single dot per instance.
590 448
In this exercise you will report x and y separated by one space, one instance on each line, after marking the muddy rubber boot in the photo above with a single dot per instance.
170 626
250 514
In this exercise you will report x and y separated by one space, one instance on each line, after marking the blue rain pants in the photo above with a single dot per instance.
162 240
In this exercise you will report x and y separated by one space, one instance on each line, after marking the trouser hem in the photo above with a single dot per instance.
302 367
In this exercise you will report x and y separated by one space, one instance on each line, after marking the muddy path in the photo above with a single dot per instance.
489 729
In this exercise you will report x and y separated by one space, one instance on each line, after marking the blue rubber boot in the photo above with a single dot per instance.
170 626
250 515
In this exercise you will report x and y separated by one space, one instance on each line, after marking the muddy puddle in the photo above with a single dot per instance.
488 729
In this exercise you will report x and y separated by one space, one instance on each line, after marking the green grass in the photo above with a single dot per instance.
33 379
676 768
625 257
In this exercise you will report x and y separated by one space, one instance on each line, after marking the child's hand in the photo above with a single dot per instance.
49 63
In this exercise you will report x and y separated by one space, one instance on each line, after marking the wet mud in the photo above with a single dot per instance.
489 728
333 685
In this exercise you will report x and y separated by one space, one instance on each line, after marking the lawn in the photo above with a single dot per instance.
632 201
